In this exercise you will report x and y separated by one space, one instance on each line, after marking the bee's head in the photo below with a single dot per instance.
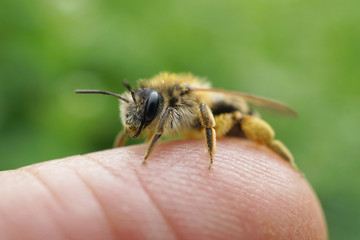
138 108
143 107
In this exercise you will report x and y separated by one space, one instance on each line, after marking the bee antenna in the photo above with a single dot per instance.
128 87
103 92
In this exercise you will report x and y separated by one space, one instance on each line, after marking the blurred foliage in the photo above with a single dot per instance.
304 53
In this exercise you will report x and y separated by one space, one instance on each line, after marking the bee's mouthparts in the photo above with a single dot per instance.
138 131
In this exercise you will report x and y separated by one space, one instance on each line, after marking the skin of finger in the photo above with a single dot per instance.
251 193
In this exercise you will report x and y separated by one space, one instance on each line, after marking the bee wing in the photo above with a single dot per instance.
266 103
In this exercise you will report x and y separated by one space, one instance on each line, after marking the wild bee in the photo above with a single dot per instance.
169 104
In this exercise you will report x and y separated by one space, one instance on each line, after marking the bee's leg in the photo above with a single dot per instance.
120 139
159 132
207 121
260 131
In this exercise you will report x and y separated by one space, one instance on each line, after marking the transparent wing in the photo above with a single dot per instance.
266 103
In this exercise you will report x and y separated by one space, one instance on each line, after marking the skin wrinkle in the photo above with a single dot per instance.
84 163
34 173
157 197
72 204
92 191
103 166
131 170
19 177
176 235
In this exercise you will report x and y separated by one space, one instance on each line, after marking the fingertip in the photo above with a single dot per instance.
249 193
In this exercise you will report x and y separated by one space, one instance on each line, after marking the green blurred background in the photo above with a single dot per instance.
304 53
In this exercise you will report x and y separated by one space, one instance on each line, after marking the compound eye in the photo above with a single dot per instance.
151 106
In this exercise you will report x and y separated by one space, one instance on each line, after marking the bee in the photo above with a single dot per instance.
170 104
